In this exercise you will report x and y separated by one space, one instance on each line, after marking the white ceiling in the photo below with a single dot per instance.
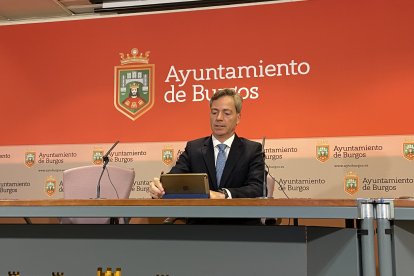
17 11
14 10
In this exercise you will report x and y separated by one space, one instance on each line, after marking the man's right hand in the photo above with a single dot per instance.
155 188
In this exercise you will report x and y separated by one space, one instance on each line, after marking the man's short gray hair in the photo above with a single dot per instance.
238 100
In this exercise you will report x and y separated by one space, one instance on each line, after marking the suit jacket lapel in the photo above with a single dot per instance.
235 153
208 154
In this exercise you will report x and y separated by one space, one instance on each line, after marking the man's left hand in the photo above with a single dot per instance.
216 195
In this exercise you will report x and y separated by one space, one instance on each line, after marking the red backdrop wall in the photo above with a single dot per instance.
57 78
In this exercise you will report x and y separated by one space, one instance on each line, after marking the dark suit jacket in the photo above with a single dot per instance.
242 176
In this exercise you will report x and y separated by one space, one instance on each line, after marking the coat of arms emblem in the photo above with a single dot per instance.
408 150
29 158
322 152
50 186
351 183
97 156
134 84
167 156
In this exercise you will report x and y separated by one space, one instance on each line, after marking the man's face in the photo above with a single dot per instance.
223 118
134 91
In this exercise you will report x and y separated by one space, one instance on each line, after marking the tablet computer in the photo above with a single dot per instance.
185 185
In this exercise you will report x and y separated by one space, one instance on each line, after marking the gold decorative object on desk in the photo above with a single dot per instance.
12 273
108 272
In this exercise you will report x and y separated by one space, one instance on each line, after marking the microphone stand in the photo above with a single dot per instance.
265 221
105 159
264 169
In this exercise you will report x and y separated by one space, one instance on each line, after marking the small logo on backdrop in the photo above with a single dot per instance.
408 150
322 152
29 158
50 186
167 155
351 183
134 84
97 156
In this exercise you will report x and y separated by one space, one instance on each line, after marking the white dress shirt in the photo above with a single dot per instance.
228 143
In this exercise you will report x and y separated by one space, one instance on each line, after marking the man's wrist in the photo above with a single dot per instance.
225 192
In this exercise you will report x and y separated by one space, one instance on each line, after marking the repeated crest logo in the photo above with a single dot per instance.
30 158
167 155
322 152
97 156
134 84
408 150
351 183
50 186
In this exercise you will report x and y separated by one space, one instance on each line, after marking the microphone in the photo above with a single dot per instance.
105 159
264 169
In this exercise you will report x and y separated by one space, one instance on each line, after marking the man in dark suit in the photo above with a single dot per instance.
242 159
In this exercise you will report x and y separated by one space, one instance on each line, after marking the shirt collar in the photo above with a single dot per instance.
228 142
